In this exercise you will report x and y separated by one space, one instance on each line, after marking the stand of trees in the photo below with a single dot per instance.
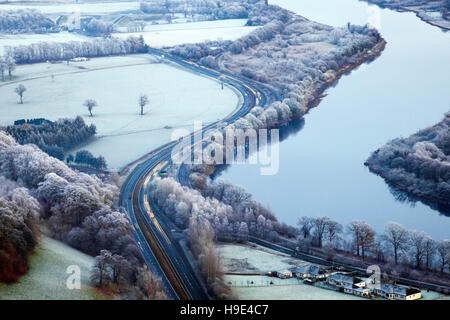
210 9
230 210
419 164
25 21
200 236
99 28
59 51
86 158
396 245
76 208
19 213
53 138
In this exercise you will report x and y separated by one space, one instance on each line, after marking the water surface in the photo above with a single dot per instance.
404 90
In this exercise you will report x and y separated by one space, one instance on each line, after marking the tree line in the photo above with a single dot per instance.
18 229
85 157
64 51
25 21
54 138
395 245
211 9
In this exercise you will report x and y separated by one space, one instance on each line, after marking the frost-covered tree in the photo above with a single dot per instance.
24 20
418 241
3 67
64 51
19 213
363 236
20 90
305 224
143 101
10 65
443 250
396 236
320 228
90 104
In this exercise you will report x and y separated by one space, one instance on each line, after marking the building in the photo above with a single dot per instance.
311 271
357 291
393 292
284 274
343 280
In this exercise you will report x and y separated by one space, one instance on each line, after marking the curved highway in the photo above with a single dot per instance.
160 243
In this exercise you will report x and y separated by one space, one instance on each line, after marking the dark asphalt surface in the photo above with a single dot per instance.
253 94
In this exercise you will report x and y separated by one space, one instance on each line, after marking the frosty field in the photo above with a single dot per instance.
177 99
47 276
252 258
165 35
256 259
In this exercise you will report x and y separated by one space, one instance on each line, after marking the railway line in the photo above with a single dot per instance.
160 247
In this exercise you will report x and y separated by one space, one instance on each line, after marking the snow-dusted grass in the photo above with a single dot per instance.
46 278
26 39
165 35
84 8
177 99
253 258
288 289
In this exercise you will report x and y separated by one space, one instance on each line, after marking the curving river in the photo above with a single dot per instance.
321 166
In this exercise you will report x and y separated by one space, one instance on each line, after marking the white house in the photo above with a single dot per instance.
393 292
284 274
343 280
357 291
311 271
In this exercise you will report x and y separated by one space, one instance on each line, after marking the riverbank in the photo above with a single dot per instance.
418 165
421 11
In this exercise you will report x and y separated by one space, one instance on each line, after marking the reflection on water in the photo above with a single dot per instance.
322 168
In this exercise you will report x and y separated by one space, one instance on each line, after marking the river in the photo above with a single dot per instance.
321 166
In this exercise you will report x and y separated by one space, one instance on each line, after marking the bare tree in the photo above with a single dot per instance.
3 68
121 268
90 104
367 238
396 236
20 90
429 248
320 228
417 241
143 101
355 229
99 274
333 229
363 236
443 250
150 286
305 224
10 65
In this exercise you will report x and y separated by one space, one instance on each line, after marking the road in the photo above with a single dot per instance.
158 242
156 235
